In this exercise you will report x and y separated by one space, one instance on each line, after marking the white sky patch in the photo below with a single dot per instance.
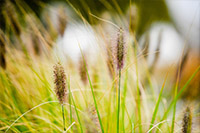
74 35
171 44
186 14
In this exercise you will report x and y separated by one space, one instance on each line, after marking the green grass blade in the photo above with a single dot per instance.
75 109
124 100
138 92
91 86
157 103
178 95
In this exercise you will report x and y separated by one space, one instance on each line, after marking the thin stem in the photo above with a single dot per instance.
63 117
138 92
91 87
77 114
70 108
109 109
118 109
74 107
124 100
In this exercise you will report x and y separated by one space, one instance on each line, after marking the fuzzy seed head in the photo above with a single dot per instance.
120 49
60 84
187 121
82 71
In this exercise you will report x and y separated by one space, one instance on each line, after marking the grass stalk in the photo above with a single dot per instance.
91 86
124 101
118 103
70 108
175 94
157 104
138 92
63 114
75 109
109 108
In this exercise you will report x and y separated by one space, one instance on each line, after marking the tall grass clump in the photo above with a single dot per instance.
117 90
60 87
120 62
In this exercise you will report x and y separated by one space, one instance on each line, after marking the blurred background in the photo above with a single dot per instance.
161 37
170 28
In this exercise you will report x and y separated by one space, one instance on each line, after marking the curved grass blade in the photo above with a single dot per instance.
178 95
91 86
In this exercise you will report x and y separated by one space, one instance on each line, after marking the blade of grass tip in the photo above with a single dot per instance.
179 94
75 108
156 126
91 86
70 126
157 103
124 99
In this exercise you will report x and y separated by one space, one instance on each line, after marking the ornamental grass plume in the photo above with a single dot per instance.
60 86
120 53
187 121
82 71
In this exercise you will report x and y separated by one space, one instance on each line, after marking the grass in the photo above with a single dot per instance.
135 100
92 90
17 88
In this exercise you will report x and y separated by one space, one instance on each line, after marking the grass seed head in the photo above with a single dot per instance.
120 49
187 121
60 82
82 71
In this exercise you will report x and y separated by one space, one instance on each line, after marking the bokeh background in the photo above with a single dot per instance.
34 35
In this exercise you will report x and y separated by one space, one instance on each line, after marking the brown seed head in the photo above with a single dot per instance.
120 49
82 71
187 121
60 82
